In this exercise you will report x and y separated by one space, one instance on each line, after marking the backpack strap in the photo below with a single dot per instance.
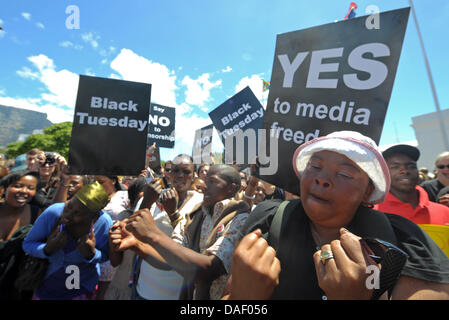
279 220
233 209
370 223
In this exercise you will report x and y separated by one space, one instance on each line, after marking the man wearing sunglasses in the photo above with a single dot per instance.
435 186
406 198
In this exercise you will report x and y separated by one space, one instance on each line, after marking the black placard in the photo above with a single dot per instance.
162 126
241 112
334 77
202 144
110 127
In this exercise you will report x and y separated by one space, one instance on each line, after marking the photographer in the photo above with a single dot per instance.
50 165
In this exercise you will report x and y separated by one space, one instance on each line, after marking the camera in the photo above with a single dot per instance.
49 158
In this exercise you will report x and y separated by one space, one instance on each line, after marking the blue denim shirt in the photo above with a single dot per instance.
54 282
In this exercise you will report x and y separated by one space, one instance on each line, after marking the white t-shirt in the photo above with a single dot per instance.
118 203
157 284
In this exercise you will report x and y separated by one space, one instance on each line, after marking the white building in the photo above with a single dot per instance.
23 136
429 137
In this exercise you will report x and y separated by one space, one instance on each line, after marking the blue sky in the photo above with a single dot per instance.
196 54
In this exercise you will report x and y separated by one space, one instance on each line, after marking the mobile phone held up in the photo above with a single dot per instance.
149 176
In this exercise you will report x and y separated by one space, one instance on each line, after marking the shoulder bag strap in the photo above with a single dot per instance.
276 225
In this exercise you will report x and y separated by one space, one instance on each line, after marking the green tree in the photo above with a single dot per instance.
218 157
56 138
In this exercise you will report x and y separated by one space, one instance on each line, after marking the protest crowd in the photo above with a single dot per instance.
186 231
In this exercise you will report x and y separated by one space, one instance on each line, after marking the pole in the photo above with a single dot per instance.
432 85
396 132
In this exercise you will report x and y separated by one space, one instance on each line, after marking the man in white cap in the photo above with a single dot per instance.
312 248
406 197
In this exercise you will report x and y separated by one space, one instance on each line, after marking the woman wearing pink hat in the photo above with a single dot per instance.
331 244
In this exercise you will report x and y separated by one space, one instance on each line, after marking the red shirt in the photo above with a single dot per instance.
427 212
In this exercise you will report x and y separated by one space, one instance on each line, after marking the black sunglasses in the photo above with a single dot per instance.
184 172
442 166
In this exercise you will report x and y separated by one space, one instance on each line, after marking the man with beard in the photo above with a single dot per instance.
406 198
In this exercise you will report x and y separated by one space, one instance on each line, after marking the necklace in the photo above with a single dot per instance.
317 236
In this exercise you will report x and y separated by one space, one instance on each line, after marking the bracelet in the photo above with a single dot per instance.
249 197
174 213
174 223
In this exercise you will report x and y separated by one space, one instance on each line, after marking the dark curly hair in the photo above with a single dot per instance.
15 176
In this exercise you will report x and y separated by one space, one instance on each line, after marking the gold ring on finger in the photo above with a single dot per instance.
326 255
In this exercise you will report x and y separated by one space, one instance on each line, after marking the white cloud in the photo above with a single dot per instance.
185 133
255 84
198 91
2 33
91 39
27 73
62 86
130 66
115 76
42 62
69 44
227 69
58 101
54 114
183 108
133 67
66 44
89 72
26 16
40 25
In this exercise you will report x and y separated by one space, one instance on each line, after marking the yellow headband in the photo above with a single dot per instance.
93 196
